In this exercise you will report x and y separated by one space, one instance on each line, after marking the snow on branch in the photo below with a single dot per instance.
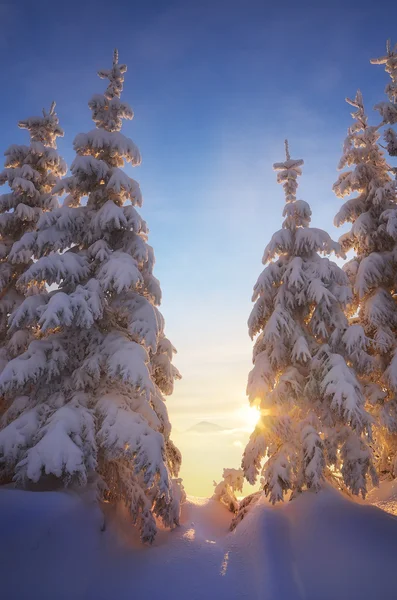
225 490
43 358
342 389
127 361
65 268
109 145
144 322
124 433
288 172
120 273
44 129
82 308
62 447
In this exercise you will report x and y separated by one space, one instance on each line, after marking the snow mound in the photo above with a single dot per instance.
319 547
385 496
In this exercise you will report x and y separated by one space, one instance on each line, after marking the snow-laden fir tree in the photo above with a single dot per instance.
225 491
313 423
388 110
31 173
372 272
88 394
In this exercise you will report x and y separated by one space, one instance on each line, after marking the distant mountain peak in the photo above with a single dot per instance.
206 427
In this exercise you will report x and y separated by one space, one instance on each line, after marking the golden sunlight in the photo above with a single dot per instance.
249 416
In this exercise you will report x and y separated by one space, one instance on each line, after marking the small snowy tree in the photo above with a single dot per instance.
94 380
225 490
388 110
31 173
372 272
313 422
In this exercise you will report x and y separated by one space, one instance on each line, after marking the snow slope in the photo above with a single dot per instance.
385 496
319 547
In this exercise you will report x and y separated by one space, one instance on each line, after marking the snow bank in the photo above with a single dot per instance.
385 496
319 547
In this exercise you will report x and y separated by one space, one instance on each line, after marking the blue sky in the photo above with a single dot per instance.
216 87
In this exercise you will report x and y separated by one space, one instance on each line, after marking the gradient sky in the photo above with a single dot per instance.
216 87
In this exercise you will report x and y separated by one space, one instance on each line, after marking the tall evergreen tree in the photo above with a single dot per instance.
388 110
372 272
31 173
312 417
95 376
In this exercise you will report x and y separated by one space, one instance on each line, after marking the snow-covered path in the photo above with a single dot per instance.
320 547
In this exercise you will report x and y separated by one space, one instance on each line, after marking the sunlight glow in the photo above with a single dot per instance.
224 564
249 416
190 534
238 443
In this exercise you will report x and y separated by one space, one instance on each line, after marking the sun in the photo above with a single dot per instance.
249 416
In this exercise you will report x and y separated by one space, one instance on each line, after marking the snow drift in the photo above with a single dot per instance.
319 547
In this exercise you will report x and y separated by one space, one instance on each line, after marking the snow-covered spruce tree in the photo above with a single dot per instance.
93 380
225 491
388 110
31 172
372 272
312 422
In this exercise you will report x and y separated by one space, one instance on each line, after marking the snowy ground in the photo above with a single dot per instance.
319 547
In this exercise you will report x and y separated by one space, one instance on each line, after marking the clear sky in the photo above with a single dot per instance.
216 86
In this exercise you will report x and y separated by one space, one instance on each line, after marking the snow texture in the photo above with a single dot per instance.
97 363
322 546
372 212
388 110
31 173
313 422
225 490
